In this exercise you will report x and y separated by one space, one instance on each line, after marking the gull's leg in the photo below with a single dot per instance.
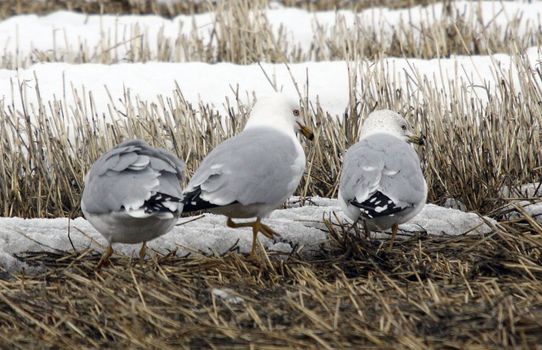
142 253
255 229
105 256
394 229
366 229
257 226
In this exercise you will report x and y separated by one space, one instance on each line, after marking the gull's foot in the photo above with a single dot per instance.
394 229
142 253
104 260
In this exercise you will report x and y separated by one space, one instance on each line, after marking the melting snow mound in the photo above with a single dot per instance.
299 225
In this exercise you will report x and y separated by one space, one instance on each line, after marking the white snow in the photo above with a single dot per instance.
228 295
454 203
301 227
531 190
529 208
209 83
436 220
533 209
518 198
65 33
213 84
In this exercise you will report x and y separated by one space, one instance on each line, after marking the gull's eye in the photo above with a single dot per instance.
404 127
296 112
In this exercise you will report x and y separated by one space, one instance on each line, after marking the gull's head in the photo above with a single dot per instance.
281 112
390 122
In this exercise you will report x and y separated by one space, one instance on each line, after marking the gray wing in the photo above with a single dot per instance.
382 175
260 165
134 177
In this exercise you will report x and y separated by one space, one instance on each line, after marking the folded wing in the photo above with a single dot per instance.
379 176
258 166
136 179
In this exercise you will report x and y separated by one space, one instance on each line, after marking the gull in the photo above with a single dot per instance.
382 182
133 194
253 173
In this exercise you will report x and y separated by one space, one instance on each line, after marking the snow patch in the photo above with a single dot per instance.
228 295
436 220
63 33
212 83
519 196
532 190
300 227
454 204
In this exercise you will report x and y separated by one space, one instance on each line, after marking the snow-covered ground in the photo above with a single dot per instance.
300 226
65 32
214 83
524 200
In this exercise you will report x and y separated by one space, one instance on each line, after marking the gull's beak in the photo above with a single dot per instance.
417 139
307 132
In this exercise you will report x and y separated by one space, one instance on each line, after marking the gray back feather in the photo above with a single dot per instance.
255 166
384 163
131 173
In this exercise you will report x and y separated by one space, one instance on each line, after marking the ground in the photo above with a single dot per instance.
456 292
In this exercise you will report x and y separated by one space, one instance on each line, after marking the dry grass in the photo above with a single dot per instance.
473 149
240 32
453 292
10 8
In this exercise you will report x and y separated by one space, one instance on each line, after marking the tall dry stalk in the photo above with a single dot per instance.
240 32
473 148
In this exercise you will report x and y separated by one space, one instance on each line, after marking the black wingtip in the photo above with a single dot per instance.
193 202
156 204
377 205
